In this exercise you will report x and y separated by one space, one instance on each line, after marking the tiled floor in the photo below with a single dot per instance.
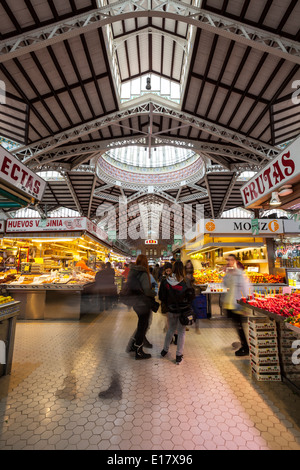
209 402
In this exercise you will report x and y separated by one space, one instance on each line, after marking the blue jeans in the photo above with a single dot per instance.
174 324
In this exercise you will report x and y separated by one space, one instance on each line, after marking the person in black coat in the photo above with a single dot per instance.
105 285
143 294
177 296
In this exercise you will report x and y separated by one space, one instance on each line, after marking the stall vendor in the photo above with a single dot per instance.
82 264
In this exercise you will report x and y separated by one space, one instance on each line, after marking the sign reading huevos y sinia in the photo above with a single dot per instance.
17 175
284 169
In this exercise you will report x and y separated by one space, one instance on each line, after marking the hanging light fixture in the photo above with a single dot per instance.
285 190
275 201
148 85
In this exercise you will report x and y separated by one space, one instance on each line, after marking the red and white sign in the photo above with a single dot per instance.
53 225
72 224
285 169
17 175
151 242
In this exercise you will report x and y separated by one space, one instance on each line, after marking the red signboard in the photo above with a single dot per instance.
284 169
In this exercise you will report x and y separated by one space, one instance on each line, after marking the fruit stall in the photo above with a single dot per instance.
40 268
284 311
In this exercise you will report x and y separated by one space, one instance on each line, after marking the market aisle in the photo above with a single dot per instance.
209 402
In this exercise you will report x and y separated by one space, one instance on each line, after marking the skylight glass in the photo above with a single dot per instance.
159 86
160 156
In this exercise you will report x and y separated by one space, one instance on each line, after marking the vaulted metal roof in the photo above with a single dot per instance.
63 64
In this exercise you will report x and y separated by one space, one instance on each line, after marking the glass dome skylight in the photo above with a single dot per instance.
160 156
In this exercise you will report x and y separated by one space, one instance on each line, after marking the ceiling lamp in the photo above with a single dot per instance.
148 86
285 190
275 201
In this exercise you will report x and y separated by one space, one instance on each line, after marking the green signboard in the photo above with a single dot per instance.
255 226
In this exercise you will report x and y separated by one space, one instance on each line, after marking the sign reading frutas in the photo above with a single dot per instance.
282 170
17 175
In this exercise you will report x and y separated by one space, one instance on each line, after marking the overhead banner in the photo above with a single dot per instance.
291 226
17 175
243 226
284 169
72 224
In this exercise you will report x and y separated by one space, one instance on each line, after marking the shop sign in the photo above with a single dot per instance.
2 226
242 226
55 225
151 242
291 226
17 175
37 225
93 229
282 170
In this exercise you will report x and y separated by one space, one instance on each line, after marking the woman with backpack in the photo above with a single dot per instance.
177 296
140 286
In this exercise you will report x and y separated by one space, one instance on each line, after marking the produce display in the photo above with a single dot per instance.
295 321
5 300
207 276
287 305
259 278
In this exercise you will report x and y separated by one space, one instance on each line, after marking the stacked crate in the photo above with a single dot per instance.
263 347
290 369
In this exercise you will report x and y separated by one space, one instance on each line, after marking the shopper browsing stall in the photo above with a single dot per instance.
178 297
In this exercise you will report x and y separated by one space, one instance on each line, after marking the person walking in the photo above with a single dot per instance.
109 287
176 294
238 286
189 273
156 272
167 272
140 286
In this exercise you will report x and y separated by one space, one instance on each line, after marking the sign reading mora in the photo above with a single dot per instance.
283 170
17 175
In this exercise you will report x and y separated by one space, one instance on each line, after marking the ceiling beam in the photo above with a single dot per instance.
128 9
209 196
138 107
72 191
228 194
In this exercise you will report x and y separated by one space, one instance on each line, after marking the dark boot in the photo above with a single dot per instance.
140 354
147 344
131 346
244 351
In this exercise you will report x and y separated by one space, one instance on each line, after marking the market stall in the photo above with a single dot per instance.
283 338
42 270
249 242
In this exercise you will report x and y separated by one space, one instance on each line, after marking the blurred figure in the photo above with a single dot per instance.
178 298
140 284
189 273
126 271
156 272
238 286
83 265
154 284
105 282
166 273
